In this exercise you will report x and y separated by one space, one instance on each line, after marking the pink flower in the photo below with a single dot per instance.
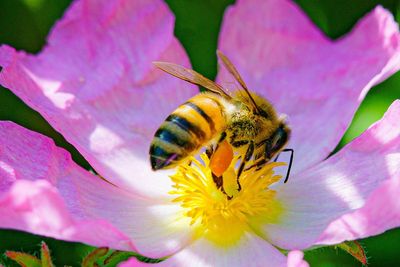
95 84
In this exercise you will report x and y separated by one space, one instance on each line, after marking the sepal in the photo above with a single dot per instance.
27 260
355 249
93 257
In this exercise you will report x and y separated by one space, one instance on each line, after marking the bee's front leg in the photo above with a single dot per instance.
247 157
290 162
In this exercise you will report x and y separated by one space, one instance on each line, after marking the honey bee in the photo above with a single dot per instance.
243 121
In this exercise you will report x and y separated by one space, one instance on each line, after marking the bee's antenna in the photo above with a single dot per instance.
232 70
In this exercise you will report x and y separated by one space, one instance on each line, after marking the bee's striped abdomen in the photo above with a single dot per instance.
186 130
171 141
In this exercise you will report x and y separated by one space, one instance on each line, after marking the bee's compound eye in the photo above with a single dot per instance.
221 158
280 139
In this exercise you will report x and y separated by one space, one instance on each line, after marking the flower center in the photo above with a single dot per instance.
218 209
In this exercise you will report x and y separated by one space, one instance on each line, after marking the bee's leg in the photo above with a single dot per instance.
247 157
265 156
222 137
220 159
209 151
240 143
258 164
290 162
276 158
261 164
218 181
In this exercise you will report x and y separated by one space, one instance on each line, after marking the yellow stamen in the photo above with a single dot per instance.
223 214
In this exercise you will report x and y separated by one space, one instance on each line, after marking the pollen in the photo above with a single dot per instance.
222 211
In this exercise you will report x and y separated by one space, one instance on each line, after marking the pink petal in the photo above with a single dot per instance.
317 82
295 259
251 251
133 262
363 177
381 210
95 83
67 202
36 207
380 213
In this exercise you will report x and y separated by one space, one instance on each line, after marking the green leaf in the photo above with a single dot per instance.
91 259
355 249
24 259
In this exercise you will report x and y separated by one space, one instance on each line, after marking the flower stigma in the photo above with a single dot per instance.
223 212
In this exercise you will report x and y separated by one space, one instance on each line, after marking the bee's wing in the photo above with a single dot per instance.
233 71
191 76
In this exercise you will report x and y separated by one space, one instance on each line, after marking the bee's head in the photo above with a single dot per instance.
280 138
264 107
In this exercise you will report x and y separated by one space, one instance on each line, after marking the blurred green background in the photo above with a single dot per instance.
24 24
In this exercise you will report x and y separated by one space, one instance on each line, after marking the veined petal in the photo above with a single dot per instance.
133 262
363 177
317 82
380 213
94 82
250 251
294 259
69 203
36 207
381 210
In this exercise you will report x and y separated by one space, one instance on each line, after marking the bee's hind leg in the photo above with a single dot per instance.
210 149
247 157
